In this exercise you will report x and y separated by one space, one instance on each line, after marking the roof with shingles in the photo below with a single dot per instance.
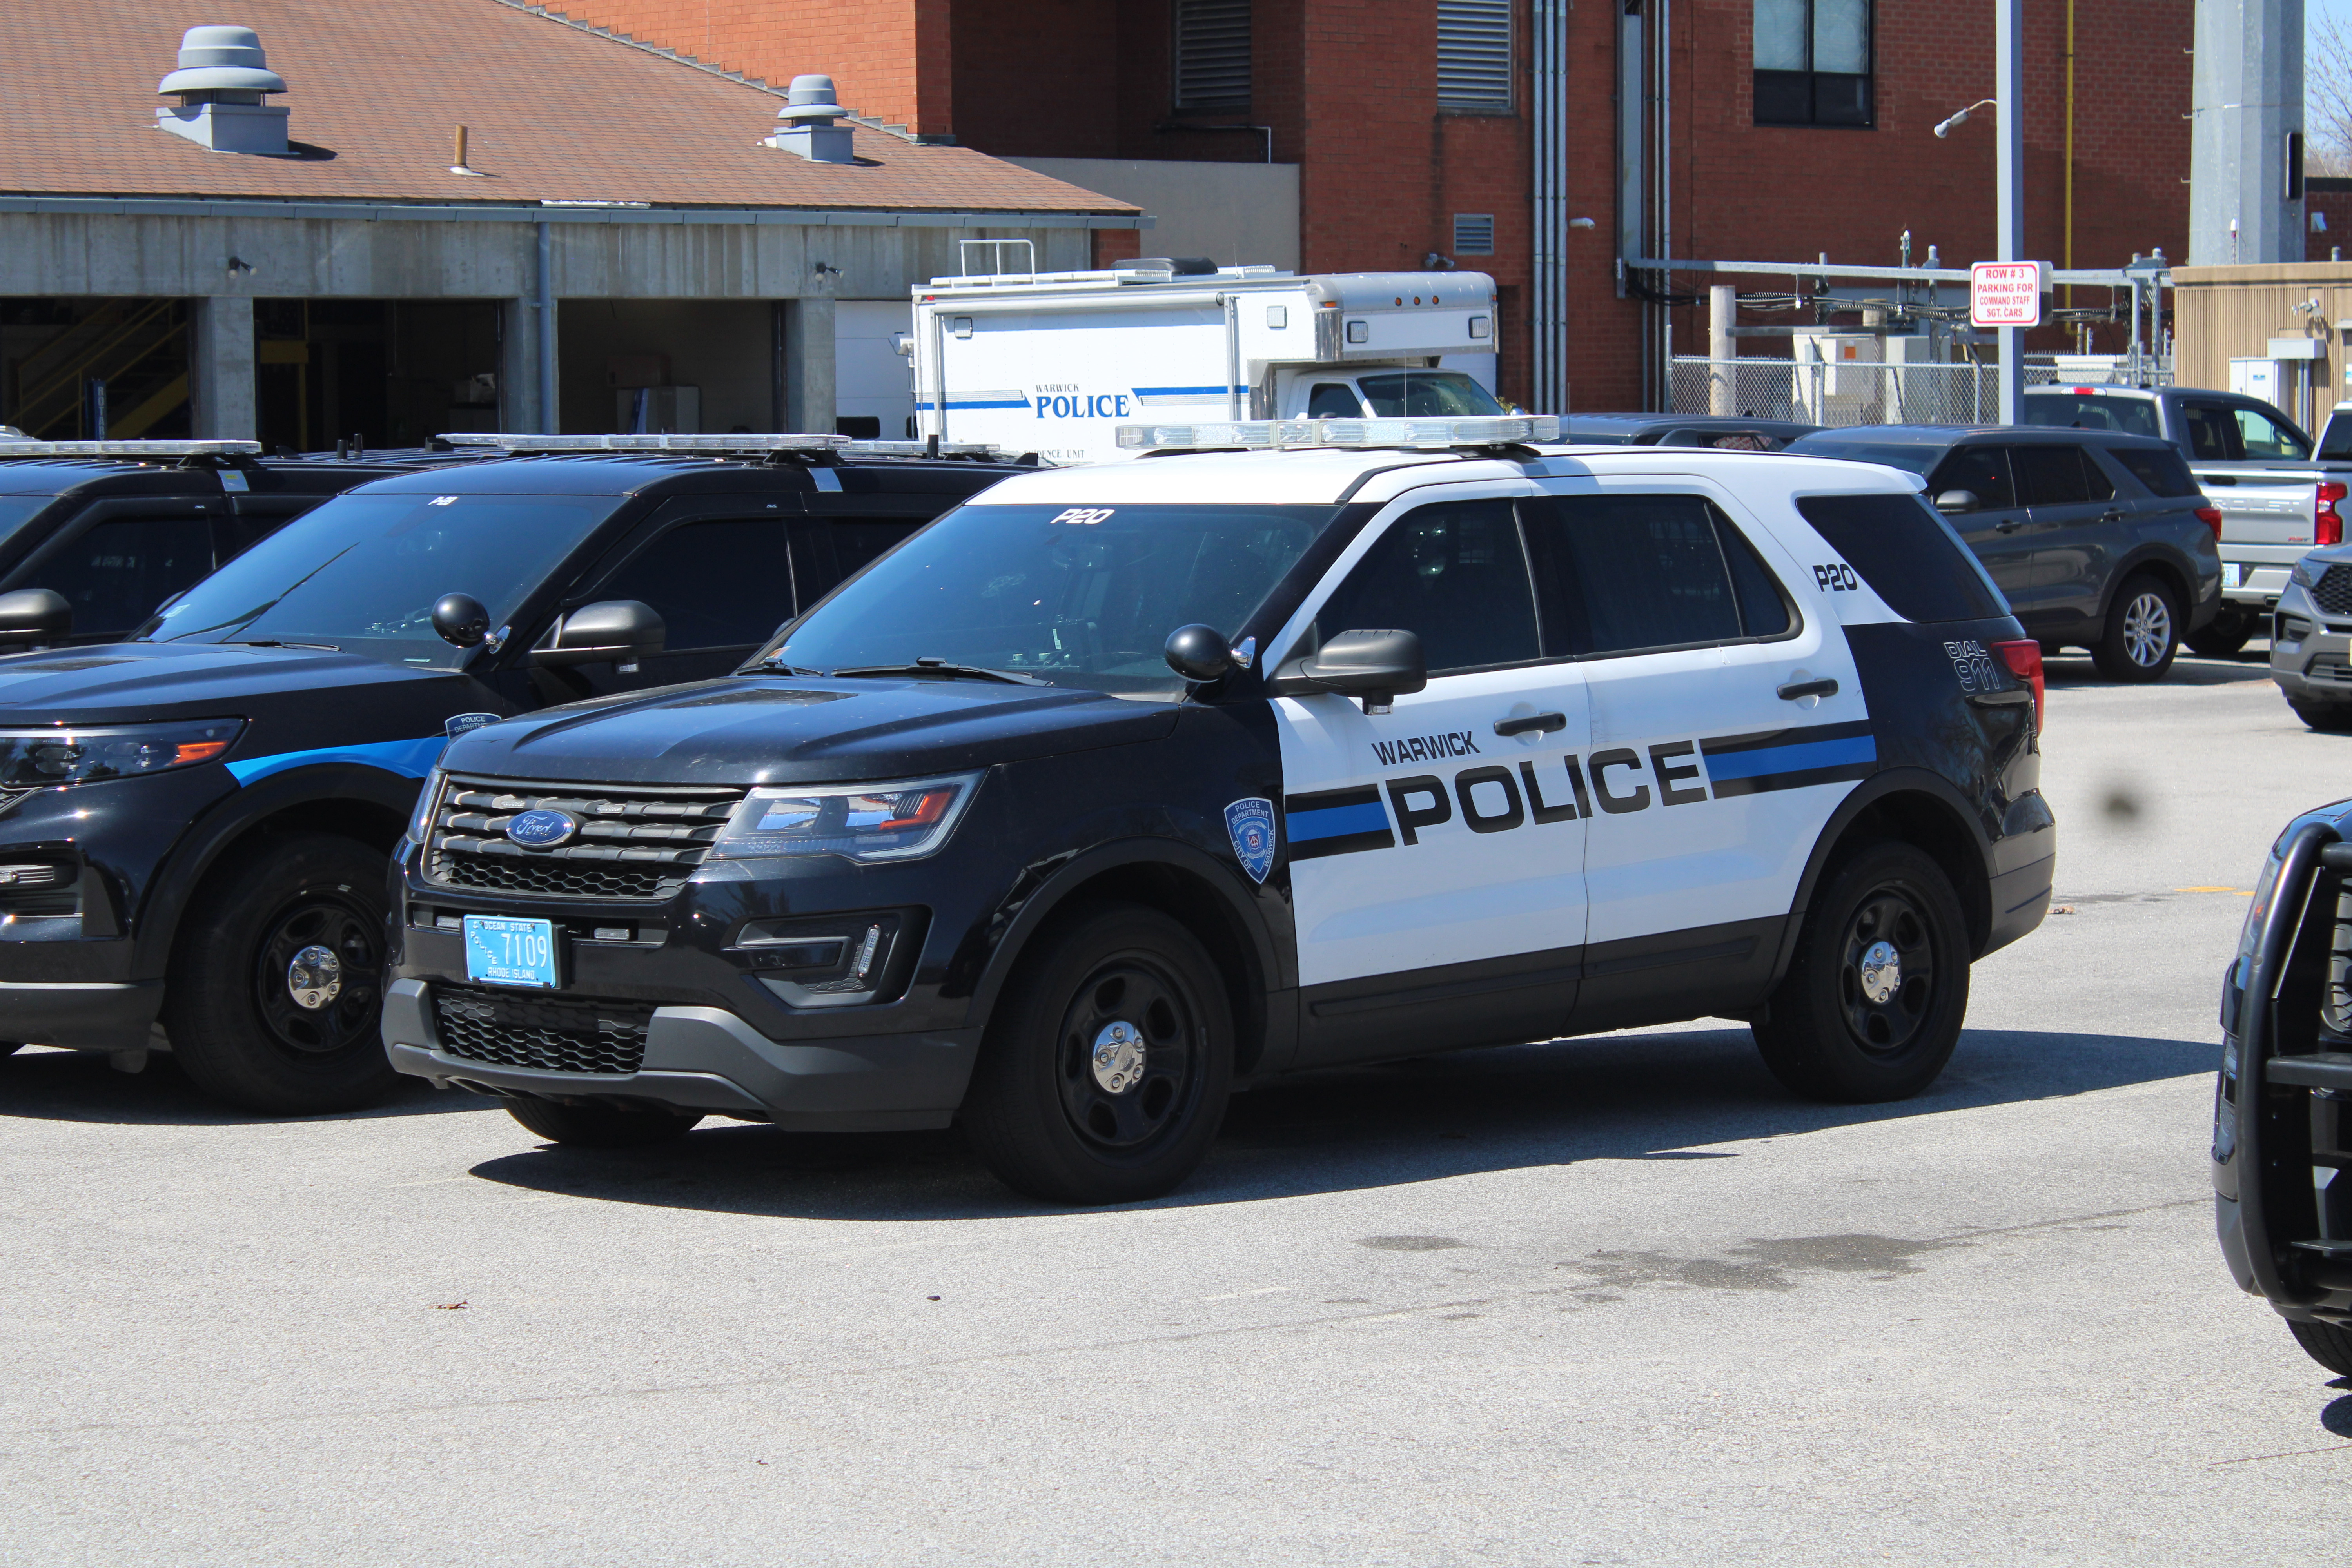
553 113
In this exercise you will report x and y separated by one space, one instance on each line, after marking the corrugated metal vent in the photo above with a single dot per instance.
1474 55
1213 54
1473 233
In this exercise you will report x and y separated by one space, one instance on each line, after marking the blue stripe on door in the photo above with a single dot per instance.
1333 821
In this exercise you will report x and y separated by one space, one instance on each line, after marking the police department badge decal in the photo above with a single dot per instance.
1250 824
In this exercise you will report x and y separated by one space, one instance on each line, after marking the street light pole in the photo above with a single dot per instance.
2008 93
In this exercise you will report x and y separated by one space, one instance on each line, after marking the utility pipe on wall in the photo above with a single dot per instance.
550 419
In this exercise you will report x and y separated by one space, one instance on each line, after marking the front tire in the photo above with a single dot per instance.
2142 633
601 1126
1106 1068
1873 999
2325 1343
2331 718
274 997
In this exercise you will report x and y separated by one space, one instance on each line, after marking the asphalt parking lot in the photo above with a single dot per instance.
1612 1300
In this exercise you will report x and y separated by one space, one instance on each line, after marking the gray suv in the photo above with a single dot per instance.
2099 540
2311 638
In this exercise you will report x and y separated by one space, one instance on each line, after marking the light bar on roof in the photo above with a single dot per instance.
127 449
740 443
1270 434
858 449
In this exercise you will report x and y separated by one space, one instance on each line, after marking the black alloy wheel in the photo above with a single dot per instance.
1107 1060
274 999
1871 1005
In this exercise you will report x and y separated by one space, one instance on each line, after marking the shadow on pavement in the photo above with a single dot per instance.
80 1086
1619 1097
2069 672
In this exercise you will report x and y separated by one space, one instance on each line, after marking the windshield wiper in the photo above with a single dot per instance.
923 666
273 642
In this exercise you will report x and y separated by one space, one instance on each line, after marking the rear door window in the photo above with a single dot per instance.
1982 471
1908 554
1618 573
2048 476
1453 574
2213 434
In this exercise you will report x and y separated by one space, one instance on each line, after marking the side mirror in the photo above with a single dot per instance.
1955 503
1199 653
623 630
32 617
1372 665
461 620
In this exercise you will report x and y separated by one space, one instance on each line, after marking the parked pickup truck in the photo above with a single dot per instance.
2253 463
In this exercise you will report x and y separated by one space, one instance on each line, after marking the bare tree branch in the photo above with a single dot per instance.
2328 97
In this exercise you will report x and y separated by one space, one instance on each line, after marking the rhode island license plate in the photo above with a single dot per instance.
501 950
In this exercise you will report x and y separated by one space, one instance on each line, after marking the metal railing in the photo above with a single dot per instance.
1852 391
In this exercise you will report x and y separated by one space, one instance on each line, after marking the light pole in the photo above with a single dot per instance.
2009 161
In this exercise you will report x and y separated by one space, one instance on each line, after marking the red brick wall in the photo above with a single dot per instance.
888 59
2333 199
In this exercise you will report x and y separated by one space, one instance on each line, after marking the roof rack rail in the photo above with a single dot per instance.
720 444
130 449
1283 434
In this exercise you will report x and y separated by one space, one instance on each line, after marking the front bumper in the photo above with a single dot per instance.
707 1059
2311 650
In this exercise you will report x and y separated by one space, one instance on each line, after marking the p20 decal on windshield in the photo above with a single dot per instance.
1082 516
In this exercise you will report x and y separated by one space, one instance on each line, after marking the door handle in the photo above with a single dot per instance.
2008 525
1541 724
1825 687
2113 514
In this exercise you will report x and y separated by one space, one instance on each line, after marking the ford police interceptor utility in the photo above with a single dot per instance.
1119 787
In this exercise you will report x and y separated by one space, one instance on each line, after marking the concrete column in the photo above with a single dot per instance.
220 368
1722 313
519 399
808 364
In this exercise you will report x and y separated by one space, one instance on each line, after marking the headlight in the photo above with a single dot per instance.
39 759
420 821
858 822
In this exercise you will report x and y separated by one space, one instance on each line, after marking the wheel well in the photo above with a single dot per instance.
1201 910
1929 825
2184 593
377 826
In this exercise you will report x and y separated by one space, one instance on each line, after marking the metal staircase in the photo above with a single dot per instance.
138 347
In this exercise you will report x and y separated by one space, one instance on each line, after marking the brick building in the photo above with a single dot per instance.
1765 129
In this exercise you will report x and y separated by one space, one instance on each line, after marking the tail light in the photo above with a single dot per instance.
2024 660
2327 523
2211 516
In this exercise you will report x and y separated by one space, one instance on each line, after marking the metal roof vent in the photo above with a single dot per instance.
221 81
808 127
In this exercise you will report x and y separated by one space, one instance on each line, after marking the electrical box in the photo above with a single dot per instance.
2255 378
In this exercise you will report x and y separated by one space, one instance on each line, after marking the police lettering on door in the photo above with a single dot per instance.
1062 400
1412 809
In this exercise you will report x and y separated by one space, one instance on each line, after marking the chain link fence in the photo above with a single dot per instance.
1850 392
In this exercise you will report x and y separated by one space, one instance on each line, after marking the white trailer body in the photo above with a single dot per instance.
1054 362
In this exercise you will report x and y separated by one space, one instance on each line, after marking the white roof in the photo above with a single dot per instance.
1321 476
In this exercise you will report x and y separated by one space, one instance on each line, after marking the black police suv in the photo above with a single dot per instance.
193 823
1121 785
2282 1104
2099 539
95 534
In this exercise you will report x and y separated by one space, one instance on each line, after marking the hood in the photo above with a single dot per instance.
788 730
127 682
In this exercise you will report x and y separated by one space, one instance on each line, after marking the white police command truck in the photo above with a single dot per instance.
1054 362
1120 787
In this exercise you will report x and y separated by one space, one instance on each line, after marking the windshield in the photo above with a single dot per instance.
1073 595
1905 454
361 573
1426 394
2134 416
17 510
2335 440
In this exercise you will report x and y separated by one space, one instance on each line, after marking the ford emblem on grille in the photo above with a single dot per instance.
542 830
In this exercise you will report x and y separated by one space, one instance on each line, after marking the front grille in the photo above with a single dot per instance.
631 843
2332 592
570 1036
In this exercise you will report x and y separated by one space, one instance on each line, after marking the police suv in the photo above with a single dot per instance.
193 823
1118 788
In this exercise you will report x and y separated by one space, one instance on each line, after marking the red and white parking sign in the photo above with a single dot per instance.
2007 293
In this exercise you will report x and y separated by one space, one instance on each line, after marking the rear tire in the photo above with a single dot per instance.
2223 635
1844 1026
274 997
2325 1343
2332 718
601 1126
1108 1062
2142 633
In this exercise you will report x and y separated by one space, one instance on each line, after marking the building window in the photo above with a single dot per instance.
1813 62
1473 233
1474 55
1213 54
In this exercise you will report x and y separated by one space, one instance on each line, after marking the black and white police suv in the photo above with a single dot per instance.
193 823
1119 787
